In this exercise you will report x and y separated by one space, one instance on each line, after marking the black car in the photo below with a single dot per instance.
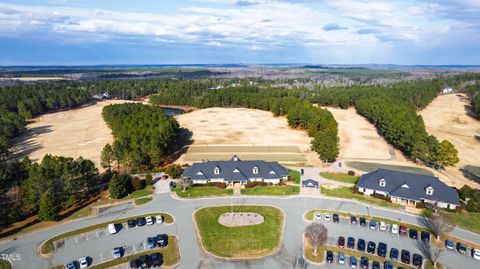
461 248
329 256
145 260
336 218
394 254
135 263
382 250
364 262
353 220
162 240
361 245
371 247
417 260
375 265
363 222
425 236
413 233
405 257
351 242
172 185
141 221
131 223
156 259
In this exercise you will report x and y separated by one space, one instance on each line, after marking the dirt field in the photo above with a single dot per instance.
72 133
359 138
218 133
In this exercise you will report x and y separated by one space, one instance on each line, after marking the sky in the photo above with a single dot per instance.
84 32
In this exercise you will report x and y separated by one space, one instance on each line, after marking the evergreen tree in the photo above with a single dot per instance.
48 206
447 154
116 187
106 157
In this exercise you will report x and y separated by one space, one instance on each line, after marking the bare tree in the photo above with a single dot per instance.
431 251
439 225
185 182
317 235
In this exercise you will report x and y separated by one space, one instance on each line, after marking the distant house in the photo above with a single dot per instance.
447 90
235 171
310 183
408 188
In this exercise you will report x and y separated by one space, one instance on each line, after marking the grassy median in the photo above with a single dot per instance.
4 264
341 177
202 191
347 193
47 247
272 190
242 241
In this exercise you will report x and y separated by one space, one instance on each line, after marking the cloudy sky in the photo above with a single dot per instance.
71 32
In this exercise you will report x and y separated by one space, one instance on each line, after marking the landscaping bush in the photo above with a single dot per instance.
420 205
351 173
174 171
253 184
149 180
138 184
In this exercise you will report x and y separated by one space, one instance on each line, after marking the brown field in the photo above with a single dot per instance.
218 133
72 133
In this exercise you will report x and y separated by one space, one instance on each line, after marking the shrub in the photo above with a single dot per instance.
174 171
351 173
427 212
137 184
149 179
253 184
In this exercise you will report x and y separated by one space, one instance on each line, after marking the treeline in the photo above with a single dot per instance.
320 123
472 198
473 92
393 110
143 135
44 188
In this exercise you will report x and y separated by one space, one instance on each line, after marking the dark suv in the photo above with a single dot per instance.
461 248
413 234
371 247
382 250
394 254
353 220
156 259
361 245
141 221
351 242
329 256
131 223
363 222
162 240
425 236
417 260
405 257
336 218
364 262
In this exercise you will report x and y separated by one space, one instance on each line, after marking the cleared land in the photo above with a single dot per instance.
72 133
218 133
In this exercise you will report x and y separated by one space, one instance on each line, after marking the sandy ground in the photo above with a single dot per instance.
72 133
244 127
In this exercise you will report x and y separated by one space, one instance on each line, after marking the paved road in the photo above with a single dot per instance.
192 257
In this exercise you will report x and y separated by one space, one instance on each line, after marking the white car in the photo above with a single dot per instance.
383 226
112 229
394 228
159 219
318 216
149 220
326 217
83 262
476 254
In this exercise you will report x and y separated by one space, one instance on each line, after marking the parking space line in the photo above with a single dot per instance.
101 257
76 241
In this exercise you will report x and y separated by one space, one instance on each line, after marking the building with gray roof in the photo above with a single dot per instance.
408 188
235 171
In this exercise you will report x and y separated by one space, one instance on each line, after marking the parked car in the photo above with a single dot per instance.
329 256
83 262
350 242
382 250
383 226
135 263
476 254
461 248
387 265
394 229
413 234
341 258
371 247
162 240
336 218
361 245
364 262
425 236
151 242
149 220
326 217
117 253
363 221
341 242
405 256
353 262
417 260
375 265
145 261
141 221
394 254
173 185
159 219
112 229
449 244
372 225
353 220
70 265
403 230
318 216
156 259
131 223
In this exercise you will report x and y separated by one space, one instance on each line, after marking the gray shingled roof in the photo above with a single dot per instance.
309 182
396 183
235 170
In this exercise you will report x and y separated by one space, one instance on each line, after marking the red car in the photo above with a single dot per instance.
341 242
403 230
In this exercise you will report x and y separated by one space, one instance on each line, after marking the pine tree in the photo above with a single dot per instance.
49 208
106 157
116 187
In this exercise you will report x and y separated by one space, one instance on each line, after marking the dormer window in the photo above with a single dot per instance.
429 190
382 182
216 171
236 170
272 172
255 170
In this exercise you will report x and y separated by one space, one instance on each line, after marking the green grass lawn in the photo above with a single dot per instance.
346 192
4 264
272 190
47 247
469 221
142 201
369 167
295 174
203 191
340 177
245 241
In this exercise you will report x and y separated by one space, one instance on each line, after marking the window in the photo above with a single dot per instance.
382 182
216 171
429 190
255 170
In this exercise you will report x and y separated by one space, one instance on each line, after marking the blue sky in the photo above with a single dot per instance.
80 32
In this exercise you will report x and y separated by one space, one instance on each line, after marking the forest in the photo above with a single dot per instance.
143 135
473 92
